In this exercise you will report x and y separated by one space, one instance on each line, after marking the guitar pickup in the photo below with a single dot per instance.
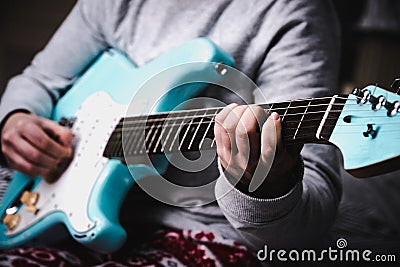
30 199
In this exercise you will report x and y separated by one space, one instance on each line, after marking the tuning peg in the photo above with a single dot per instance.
363 95
396 86
392 108
377 102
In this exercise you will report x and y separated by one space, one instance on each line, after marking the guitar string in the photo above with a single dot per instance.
118 150
288 129
150 118
268 104
261 105
287 137
133 125
211 116
299 136
140 127
136 120
288 101
215 110
312 127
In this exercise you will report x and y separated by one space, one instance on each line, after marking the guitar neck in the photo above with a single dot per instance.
303 121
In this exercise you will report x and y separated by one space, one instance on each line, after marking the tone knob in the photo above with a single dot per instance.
11 221
30 200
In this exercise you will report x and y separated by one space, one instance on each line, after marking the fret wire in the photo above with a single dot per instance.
208 127
197 129
326 115
283 117
301 120
140 142
213 142
271 108
185 134
158 126
139 138
159 141
177 133
167 138
148 136
130 143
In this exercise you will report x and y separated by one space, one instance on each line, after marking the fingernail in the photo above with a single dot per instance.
231 105
275 116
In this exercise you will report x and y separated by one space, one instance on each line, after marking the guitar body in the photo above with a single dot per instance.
84 202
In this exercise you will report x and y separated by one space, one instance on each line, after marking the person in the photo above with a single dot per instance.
288 48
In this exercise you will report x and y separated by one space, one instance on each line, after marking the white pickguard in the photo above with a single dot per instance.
70 194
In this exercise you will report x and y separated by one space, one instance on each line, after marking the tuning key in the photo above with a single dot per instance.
392 108
377 102
363 95
396 86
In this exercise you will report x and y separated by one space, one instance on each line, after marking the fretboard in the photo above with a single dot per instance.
303 121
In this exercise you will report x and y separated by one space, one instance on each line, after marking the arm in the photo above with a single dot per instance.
30 143
300 205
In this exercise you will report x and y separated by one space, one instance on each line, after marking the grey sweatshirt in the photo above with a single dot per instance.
289 48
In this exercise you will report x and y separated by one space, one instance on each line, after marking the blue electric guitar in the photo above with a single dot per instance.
85 197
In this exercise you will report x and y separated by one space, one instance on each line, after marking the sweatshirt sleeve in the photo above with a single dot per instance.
73 46
301 61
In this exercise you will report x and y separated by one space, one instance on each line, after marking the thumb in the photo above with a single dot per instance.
61 134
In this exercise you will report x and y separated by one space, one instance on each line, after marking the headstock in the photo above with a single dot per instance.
368 132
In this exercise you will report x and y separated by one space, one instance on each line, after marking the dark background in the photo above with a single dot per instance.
370 30
25 28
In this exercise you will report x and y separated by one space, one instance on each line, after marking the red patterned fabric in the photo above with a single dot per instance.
170 248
